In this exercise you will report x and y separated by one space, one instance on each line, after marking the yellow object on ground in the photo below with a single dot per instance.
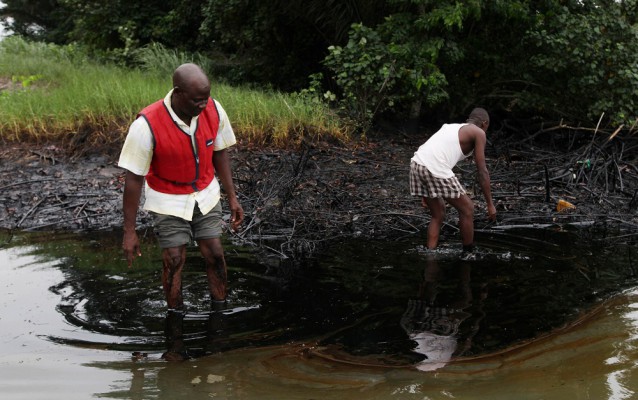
564 205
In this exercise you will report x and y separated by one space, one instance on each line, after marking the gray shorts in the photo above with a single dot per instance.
424 184
175 232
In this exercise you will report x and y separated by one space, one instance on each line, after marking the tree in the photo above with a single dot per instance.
280 42
571 59
45 20
106 25
396 65
584 59
555 59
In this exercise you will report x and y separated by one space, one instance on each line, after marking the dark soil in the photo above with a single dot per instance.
299 200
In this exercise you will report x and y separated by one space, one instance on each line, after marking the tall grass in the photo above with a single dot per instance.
52 92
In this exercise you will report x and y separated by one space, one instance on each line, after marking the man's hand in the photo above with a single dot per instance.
236 215
132 192
221 161
491 212
131 247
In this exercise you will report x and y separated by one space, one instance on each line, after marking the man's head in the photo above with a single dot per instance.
480 118
191 90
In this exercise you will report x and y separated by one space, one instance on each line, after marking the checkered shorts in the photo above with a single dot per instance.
424 184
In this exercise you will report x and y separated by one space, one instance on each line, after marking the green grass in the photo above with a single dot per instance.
52 93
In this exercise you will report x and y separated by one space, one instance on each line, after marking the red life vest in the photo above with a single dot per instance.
175 167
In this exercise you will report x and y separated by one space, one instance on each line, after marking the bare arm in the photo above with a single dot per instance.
132 193
483 174
221 161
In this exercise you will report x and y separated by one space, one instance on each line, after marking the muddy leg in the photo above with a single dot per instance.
437 212
173 259
213 253
465 207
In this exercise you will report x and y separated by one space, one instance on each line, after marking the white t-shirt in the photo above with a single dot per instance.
441 152
137 154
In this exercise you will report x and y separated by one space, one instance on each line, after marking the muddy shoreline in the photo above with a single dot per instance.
299 200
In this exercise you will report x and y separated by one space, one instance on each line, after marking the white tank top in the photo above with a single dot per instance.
442 151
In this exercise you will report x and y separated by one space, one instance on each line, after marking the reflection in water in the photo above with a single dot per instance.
216 332
336 329
595 359
351 301
434 323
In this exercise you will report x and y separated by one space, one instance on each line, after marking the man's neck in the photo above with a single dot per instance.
186 119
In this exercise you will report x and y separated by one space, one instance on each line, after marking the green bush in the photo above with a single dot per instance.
585 60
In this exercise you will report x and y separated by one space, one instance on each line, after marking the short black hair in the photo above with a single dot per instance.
479 115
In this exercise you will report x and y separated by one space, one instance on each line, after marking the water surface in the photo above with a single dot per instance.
544 313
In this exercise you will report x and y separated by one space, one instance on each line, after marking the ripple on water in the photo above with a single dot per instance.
518 313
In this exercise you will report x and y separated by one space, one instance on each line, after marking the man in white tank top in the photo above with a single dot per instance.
432 178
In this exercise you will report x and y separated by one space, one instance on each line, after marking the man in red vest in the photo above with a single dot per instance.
178 144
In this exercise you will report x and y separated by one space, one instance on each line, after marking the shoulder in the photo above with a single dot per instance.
140 125
220 110
471 128
472 131
140 133
225 135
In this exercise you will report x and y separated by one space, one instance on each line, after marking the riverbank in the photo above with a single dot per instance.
298 200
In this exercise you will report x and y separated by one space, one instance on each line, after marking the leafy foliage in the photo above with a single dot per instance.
120 27
555 59
365 72
571 60
279 42
396 65
46 20
585 59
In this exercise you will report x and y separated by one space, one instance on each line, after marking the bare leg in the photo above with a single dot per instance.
437 212
465 207
173 259
213 253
